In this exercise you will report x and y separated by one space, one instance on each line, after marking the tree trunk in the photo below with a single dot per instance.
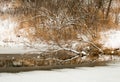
108 9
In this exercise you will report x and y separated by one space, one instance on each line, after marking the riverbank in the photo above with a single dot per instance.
47 61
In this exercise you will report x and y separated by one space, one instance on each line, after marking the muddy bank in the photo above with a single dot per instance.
22 69
48 61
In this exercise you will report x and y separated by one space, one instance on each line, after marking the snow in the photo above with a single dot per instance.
10 43
7 29
3 8
110 39
83 52
14 50
109 73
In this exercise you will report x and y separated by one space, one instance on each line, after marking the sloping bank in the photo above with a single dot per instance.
26 59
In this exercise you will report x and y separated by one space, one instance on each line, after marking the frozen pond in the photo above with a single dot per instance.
109 73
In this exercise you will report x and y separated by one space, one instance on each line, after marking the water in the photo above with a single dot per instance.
110 73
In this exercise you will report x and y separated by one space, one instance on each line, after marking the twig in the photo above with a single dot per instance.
93 44
71 50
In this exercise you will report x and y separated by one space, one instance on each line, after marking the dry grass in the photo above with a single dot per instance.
112 52
61 20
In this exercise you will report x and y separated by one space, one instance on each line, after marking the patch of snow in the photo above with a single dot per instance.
75 44
38 56
110 39
115 4
105 58
27 48
4 7
14 50
84 57
8 37
10 43
112 52
83 52
88 47
109 58
7 24
7 31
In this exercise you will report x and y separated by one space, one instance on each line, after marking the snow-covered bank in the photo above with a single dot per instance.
8 38
11 43
109 73
110 39
18 50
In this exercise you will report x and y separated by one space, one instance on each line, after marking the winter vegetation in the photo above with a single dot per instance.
59 32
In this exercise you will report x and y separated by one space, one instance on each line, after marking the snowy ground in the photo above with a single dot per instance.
12 44
109 73
110 39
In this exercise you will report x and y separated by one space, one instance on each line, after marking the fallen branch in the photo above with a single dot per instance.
92 43
71 50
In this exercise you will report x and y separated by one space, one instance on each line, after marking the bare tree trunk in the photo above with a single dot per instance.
108 9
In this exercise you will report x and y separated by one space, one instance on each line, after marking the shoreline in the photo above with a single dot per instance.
49 68
14 63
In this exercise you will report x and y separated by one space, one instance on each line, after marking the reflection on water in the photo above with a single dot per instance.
110 73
